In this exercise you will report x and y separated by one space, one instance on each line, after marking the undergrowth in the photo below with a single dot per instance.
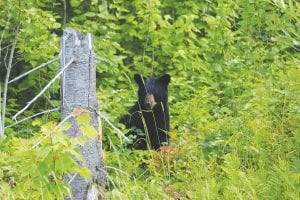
234 96
246 147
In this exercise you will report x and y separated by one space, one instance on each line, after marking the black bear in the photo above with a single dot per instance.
149 118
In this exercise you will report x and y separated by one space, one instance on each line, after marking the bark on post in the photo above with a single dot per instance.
78 90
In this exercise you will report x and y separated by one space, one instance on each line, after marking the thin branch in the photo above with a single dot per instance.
297 49
73 177
18 61
32 116
65 12
147 37
45 88
104 60
101 59
2 36
34 69
11 56
5 58
7 46
113 126
63 121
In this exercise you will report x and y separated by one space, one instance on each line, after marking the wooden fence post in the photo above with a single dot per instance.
78 90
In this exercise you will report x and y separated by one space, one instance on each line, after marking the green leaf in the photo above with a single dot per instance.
90 14
84 119
89 131
211 21
65 126
85 172
75 3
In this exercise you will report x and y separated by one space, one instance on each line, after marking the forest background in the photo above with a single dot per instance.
233 97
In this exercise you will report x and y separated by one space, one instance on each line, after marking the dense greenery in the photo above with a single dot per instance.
39 163
233 96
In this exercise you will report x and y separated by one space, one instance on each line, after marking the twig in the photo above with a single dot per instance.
113 126
5 57
2 35
147 37
65 12
11 56
101 59
7 46
32 116
70 181
36 68
45 88
104 60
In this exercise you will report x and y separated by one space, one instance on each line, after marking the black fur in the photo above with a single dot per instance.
155 121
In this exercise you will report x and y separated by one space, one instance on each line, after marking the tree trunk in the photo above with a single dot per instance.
78 90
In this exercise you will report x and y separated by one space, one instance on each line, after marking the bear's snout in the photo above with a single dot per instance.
150 101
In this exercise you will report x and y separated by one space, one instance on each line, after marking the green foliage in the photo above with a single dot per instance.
233 96
233 100
40 164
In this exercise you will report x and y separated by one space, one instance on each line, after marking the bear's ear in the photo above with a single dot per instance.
165 79
139 79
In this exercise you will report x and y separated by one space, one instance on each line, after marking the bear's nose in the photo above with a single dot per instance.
148 105
150 101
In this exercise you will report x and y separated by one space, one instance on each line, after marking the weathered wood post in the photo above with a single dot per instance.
78 90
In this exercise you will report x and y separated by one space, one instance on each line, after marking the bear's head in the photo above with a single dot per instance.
152 91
